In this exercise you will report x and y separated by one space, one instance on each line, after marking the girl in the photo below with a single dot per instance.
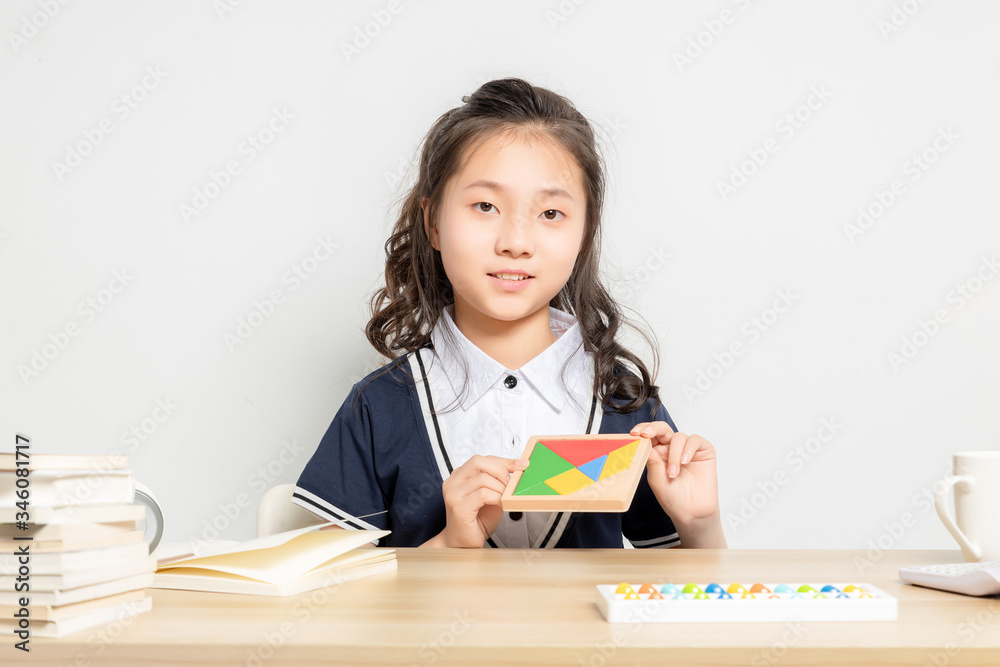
501 328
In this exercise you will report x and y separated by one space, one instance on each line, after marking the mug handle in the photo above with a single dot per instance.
154 515
971 551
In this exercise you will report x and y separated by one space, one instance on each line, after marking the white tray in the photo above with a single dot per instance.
762 608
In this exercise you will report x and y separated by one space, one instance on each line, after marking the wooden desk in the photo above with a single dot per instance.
527 607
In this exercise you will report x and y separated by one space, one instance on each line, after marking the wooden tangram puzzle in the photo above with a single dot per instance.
578 473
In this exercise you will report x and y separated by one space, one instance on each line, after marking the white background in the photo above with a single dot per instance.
893 74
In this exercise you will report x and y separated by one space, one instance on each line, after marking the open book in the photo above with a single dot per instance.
283 564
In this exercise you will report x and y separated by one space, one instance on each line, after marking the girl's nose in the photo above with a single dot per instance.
514 236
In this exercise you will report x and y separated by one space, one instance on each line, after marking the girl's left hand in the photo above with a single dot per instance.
681 472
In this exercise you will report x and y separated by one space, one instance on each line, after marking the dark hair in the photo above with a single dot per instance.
416 289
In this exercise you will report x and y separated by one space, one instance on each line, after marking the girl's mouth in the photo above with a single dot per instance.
510 282
510 276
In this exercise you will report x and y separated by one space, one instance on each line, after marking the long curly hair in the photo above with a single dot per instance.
405 310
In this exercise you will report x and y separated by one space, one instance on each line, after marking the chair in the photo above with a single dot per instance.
276 513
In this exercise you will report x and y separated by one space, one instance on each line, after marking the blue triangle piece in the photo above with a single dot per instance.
592 469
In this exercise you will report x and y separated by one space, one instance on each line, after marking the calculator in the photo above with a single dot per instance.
966 578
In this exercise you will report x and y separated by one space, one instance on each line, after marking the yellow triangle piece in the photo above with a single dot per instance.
619 460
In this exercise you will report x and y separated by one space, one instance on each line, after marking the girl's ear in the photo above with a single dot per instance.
431 232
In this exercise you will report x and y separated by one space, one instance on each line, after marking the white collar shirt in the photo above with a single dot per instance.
497 409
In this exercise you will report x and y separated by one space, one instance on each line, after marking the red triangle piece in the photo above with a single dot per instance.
579 452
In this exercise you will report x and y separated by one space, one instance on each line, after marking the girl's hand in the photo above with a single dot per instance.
681 472
472 499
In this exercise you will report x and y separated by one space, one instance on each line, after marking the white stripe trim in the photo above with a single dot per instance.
332 511
428 418
545 530
655 540
560 529
668 545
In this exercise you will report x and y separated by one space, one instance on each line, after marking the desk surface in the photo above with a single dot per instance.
511 606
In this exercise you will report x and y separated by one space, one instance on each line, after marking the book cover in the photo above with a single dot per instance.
92 462
77 530
77 578
64 596
63 562
10 545
48 612
83 621
71 514
53 488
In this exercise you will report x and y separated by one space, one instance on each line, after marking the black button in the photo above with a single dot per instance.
516 516
510 382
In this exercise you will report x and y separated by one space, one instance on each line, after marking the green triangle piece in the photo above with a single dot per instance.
541 489
544 464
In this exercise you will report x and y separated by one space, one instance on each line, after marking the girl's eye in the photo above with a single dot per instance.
479 207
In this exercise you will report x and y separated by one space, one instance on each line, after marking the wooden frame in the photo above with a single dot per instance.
580 480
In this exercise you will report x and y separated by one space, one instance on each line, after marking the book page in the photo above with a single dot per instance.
287 562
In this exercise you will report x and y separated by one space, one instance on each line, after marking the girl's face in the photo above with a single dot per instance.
509 229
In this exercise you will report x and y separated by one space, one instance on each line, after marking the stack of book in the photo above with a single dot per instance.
73 555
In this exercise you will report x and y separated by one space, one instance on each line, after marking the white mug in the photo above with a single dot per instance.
976 526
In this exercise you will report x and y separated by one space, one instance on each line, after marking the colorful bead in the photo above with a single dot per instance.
694 591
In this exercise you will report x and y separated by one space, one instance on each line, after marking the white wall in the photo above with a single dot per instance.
674 131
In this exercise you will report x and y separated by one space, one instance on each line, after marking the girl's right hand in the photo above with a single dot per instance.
472 499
